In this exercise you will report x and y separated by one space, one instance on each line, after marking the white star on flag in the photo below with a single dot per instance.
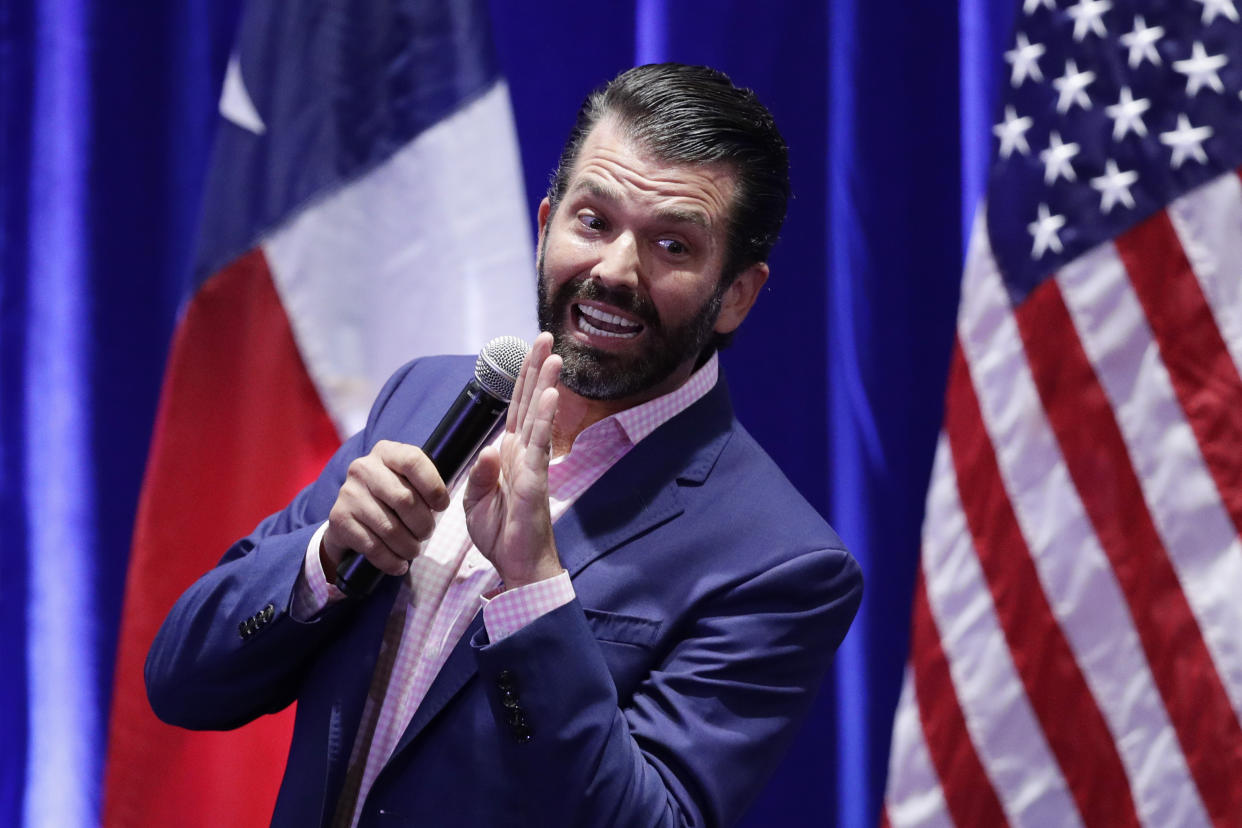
1186 140
1087 15
1012 133
235 103
1114 186
1044 230
1025 59
1200 69
1141 42
1211 8
1127 114
1029 6
1072 87
1057 160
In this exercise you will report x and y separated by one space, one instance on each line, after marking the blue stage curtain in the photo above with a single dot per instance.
106 118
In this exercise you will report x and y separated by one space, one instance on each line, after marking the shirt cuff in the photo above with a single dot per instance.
513 609
311 591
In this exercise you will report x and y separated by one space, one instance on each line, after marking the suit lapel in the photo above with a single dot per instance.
642 490
355 662
458 669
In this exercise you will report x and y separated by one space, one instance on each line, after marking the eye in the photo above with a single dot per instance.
591 221
673 246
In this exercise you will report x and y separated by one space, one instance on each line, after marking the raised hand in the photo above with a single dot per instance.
385 508
506 498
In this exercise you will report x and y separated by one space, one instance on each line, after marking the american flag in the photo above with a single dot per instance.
1076 651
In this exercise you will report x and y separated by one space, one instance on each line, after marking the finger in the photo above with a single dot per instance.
519 389
360 503
378 513
416 470
539 446
525 390
402 503
379 477
549 374
348 530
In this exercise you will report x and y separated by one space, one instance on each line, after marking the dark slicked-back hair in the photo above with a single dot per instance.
693 115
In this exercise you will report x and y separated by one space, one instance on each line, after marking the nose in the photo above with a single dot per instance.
618 264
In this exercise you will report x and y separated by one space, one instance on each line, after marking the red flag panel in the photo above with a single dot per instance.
240 430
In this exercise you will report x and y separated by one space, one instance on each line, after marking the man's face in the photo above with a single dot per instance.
630 266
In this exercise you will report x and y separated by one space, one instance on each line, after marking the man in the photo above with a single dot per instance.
658 603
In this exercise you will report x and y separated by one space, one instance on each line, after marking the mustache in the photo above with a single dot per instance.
622 298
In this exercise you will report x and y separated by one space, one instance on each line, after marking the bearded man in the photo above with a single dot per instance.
622 613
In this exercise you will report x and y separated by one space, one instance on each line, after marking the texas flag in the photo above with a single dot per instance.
364 207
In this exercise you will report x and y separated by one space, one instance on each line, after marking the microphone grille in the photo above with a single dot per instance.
498 365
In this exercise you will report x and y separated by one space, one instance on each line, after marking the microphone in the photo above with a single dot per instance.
459 434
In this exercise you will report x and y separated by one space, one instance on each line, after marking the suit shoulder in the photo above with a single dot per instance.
420 389
746 468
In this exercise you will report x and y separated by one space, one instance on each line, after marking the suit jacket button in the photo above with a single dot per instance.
508 699
522 734
243 630
506 681
268 612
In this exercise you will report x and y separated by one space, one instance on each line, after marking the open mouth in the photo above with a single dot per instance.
593 321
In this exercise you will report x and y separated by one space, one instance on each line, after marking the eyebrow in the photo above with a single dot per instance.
669 215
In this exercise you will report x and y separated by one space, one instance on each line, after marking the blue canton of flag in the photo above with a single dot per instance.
1112 110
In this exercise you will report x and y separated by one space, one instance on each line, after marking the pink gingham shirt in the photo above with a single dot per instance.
450 580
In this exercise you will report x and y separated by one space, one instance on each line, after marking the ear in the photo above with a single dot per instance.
542 216
740 296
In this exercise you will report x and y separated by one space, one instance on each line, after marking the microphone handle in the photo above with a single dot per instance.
455 440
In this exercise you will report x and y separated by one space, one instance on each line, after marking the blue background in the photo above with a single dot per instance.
107 114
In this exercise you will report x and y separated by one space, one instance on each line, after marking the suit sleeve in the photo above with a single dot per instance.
230 651
701 733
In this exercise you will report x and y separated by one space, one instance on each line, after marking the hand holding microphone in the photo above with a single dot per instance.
386 507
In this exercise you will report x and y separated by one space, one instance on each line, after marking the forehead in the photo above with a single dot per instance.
611 165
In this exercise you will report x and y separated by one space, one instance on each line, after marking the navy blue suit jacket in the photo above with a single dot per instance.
710 599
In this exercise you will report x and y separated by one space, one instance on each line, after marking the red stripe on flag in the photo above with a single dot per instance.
968 791
1076 730
1099 464
1203 373
240 430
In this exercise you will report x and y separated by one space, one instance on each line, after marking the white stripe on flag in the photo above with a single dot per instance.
1208 222
428 253
1116 339
1002 725
914 796
1179 491
1074 572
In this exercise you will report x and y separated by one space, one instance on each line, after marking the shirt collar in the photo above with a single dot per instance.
640 420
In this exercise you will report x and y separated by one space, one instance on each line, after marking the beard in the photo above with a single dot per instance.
604 375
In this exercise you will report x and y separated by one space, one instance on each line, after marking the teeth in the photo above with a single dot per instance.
594 331
609 318
588 314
